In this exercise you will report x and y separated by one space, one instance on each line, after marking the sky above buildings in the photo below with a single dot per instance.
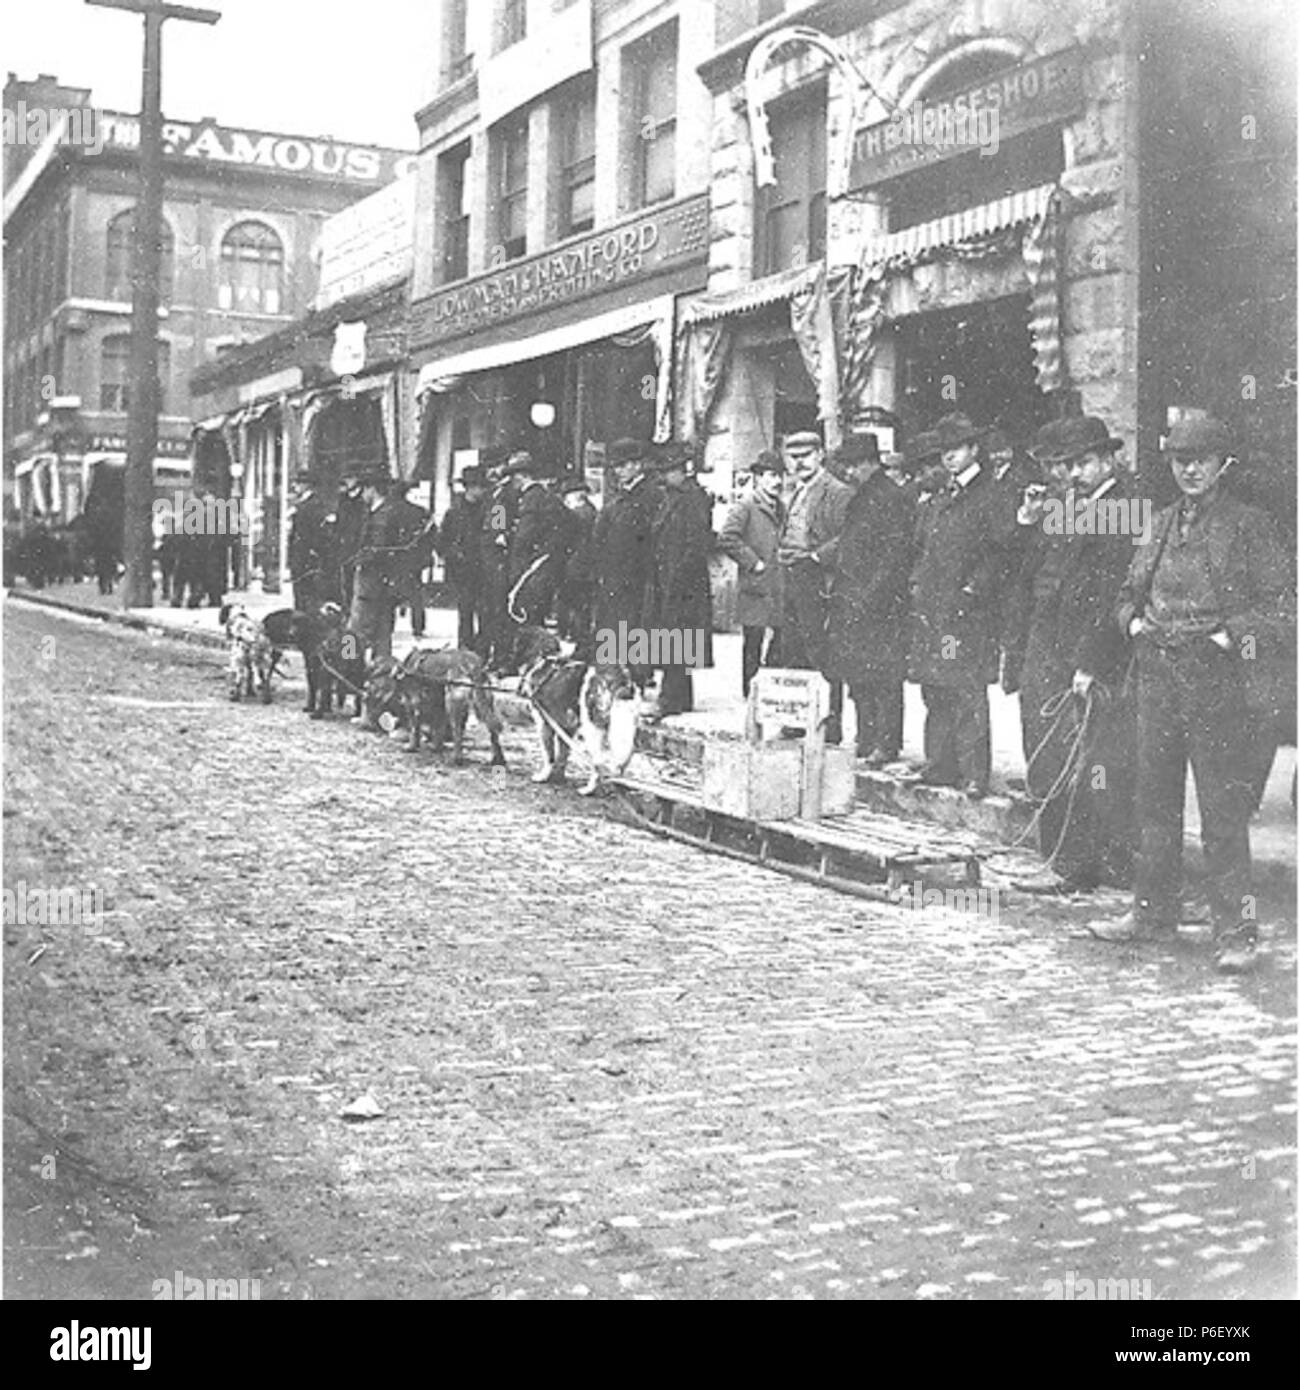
353 69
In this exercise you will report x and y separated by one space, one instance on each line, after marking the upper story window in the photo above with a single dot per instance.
115 373
576 165
453 213
790 217
252 270
510 160
117 258
651 66
511 23
457 59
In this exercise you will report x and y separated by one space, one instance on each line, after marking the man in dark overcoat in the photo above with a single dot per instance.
418 535
348 521
536 550
955 609
750 535
312 560
458 544
681 596
1074 662
1210 605
494 554
577 584
867 632
622 546
381 575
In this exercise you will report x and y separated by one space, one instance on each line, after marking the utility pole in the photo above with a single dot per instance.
142 399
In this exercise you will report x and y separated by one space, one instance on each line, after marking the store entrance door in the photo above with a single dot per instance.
978 359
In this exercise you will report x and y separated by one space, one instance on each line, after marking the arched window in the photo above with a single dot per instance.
252 270
117 261
115 373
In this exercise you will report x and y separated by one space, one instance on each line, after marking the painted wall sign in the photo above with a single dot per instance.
657 240
209 143
1021 99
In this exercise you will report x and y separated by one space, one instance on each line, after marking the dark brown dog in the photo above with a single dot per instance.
438 689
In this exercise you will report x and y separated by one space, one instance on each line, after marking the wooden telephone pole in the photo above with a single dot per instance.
142 399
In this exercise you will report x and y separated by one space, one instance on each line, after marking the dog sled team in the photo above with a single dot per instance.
941 565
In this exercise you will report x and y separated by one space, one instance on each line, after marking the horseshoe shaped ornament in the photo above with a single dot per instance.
760 58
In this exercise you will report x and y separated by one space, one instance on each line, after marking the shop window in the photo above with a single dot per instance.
115 373
252 270
118 253
453 212
651 65
790 216
511 23
576 119
457 60
511 141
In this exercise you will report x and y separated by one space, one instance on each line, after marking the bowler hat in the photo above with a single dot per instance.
669 456
768 462
1204 435
1061 441
956 429
922 449
623 451
858 448
573 482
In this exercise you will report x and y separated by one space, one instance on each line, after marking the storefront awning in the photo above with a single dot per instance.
758 294
1011 211
443 372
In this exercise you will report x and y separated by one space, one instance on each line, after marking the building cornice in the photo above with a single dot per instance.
461 93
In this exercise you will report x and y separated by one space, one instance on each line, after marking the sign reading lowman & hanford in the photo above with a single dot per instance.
209 143
660 239
980 118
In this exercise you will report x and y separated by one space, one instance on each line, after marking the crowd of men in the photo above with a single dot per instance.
520 550
1136 648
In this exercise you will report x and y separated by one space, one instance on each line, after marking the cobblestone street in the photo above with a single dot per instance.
607 1065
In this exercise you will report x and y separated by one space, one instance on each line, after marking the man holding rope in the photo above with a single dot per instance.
1078 725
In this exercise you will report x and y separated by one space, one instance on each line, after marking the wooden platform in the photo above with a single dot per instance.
866 853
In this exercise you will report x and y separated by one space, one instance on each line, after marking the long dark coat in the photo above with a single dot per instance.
752 532
956 607
458 543
622 556
312 558
539 530
867 632
681 596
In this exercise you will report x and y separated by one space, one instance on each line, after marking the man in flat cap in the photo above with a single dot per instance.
1210 605
956 608
866 637
1085 825
622 546
750 536
807 556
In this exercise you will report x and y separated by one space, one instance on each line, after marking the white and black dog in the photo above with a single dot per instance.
252 657
576 701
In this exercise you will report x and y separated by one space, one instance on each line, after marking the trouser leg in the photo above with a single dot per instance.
751 654
940 732
1162 777
676 693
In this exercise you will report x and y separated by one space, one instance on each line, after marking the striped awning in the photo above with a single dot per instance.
912 242
757 294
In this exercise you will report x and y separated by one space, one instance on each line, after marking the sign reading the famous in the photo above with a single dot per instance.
662 239
209 143
979 119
